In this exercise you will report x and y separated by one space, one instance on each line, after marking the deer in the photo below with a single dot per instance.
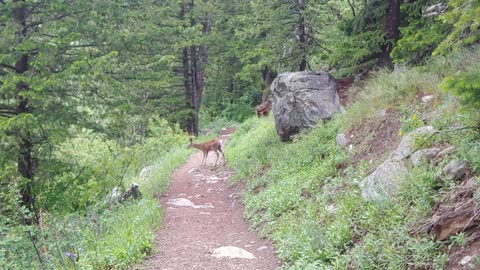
264 108
206 147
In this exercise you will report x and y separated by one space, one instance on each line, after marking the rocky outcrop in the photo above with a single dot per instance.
405 149
301 99
386 179
452 171
424 156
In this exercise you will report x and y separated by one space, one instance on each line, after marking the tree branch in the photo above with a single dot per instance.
351 7
318 43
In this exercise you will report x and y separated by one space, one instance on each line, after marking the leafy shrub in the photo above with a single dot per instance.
240 110
466 85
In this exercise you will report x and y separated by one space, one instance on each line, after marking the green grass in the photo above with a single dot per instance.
315 215
81 220
384 90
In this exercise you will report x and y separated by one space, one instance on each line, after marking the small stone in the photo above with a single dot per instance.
232 252
427 99
331 209
453 171
181 202
442 154
465 260
342 140
262 248
382 113
424 156
145 173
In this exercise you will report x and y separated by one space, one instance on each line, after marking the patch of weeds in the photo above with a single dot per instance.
409 123
460 239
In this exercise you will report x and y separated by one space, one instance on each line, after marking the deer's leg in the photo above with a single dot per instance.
205 156
223 156
216 160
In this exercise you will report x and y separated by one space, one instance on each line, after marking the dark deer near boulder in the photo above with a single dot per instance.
264 108
211 146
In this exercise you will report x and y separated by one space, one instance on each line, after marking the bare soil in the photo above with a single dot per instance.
374 139
343 86
458 253
210 218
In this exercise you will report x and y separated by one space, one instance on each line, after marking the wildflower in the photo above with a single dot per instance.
400 133
414 117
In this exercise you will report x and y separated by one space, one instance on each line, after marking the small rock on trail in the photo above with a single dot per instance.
232 252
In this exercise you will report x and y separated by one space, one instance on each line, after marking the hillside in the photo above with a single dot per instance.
306 195
100 102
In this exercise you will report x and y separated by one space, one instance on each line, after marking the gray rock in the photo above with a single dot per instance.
453 171
182 202
232 252
406 145
466 260
443 154
384 181
424 156
382 113
301 99
146 173
342 140
331 209
427 99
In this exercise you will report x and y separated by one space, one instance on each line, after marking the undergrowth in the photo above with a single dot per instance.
82 227
305 197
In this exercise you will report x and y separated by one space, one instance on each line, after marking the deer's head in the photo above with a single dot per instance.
191 143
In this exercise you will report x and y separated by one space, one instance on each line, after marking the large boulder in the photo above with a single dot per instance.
301 99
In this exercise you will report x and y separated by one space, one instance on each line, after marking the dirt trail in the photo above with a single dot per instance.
202 219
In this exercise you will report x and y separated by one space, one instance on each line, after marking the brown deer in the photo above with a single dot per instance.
206 147
264 108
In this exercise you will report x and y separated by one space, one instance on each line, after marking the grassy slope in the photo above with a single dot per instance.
314 213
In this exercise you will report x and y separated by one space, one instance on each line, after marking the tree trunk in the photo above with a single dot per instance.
25 163
301 36
391 22
194 72
187 83
195 89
